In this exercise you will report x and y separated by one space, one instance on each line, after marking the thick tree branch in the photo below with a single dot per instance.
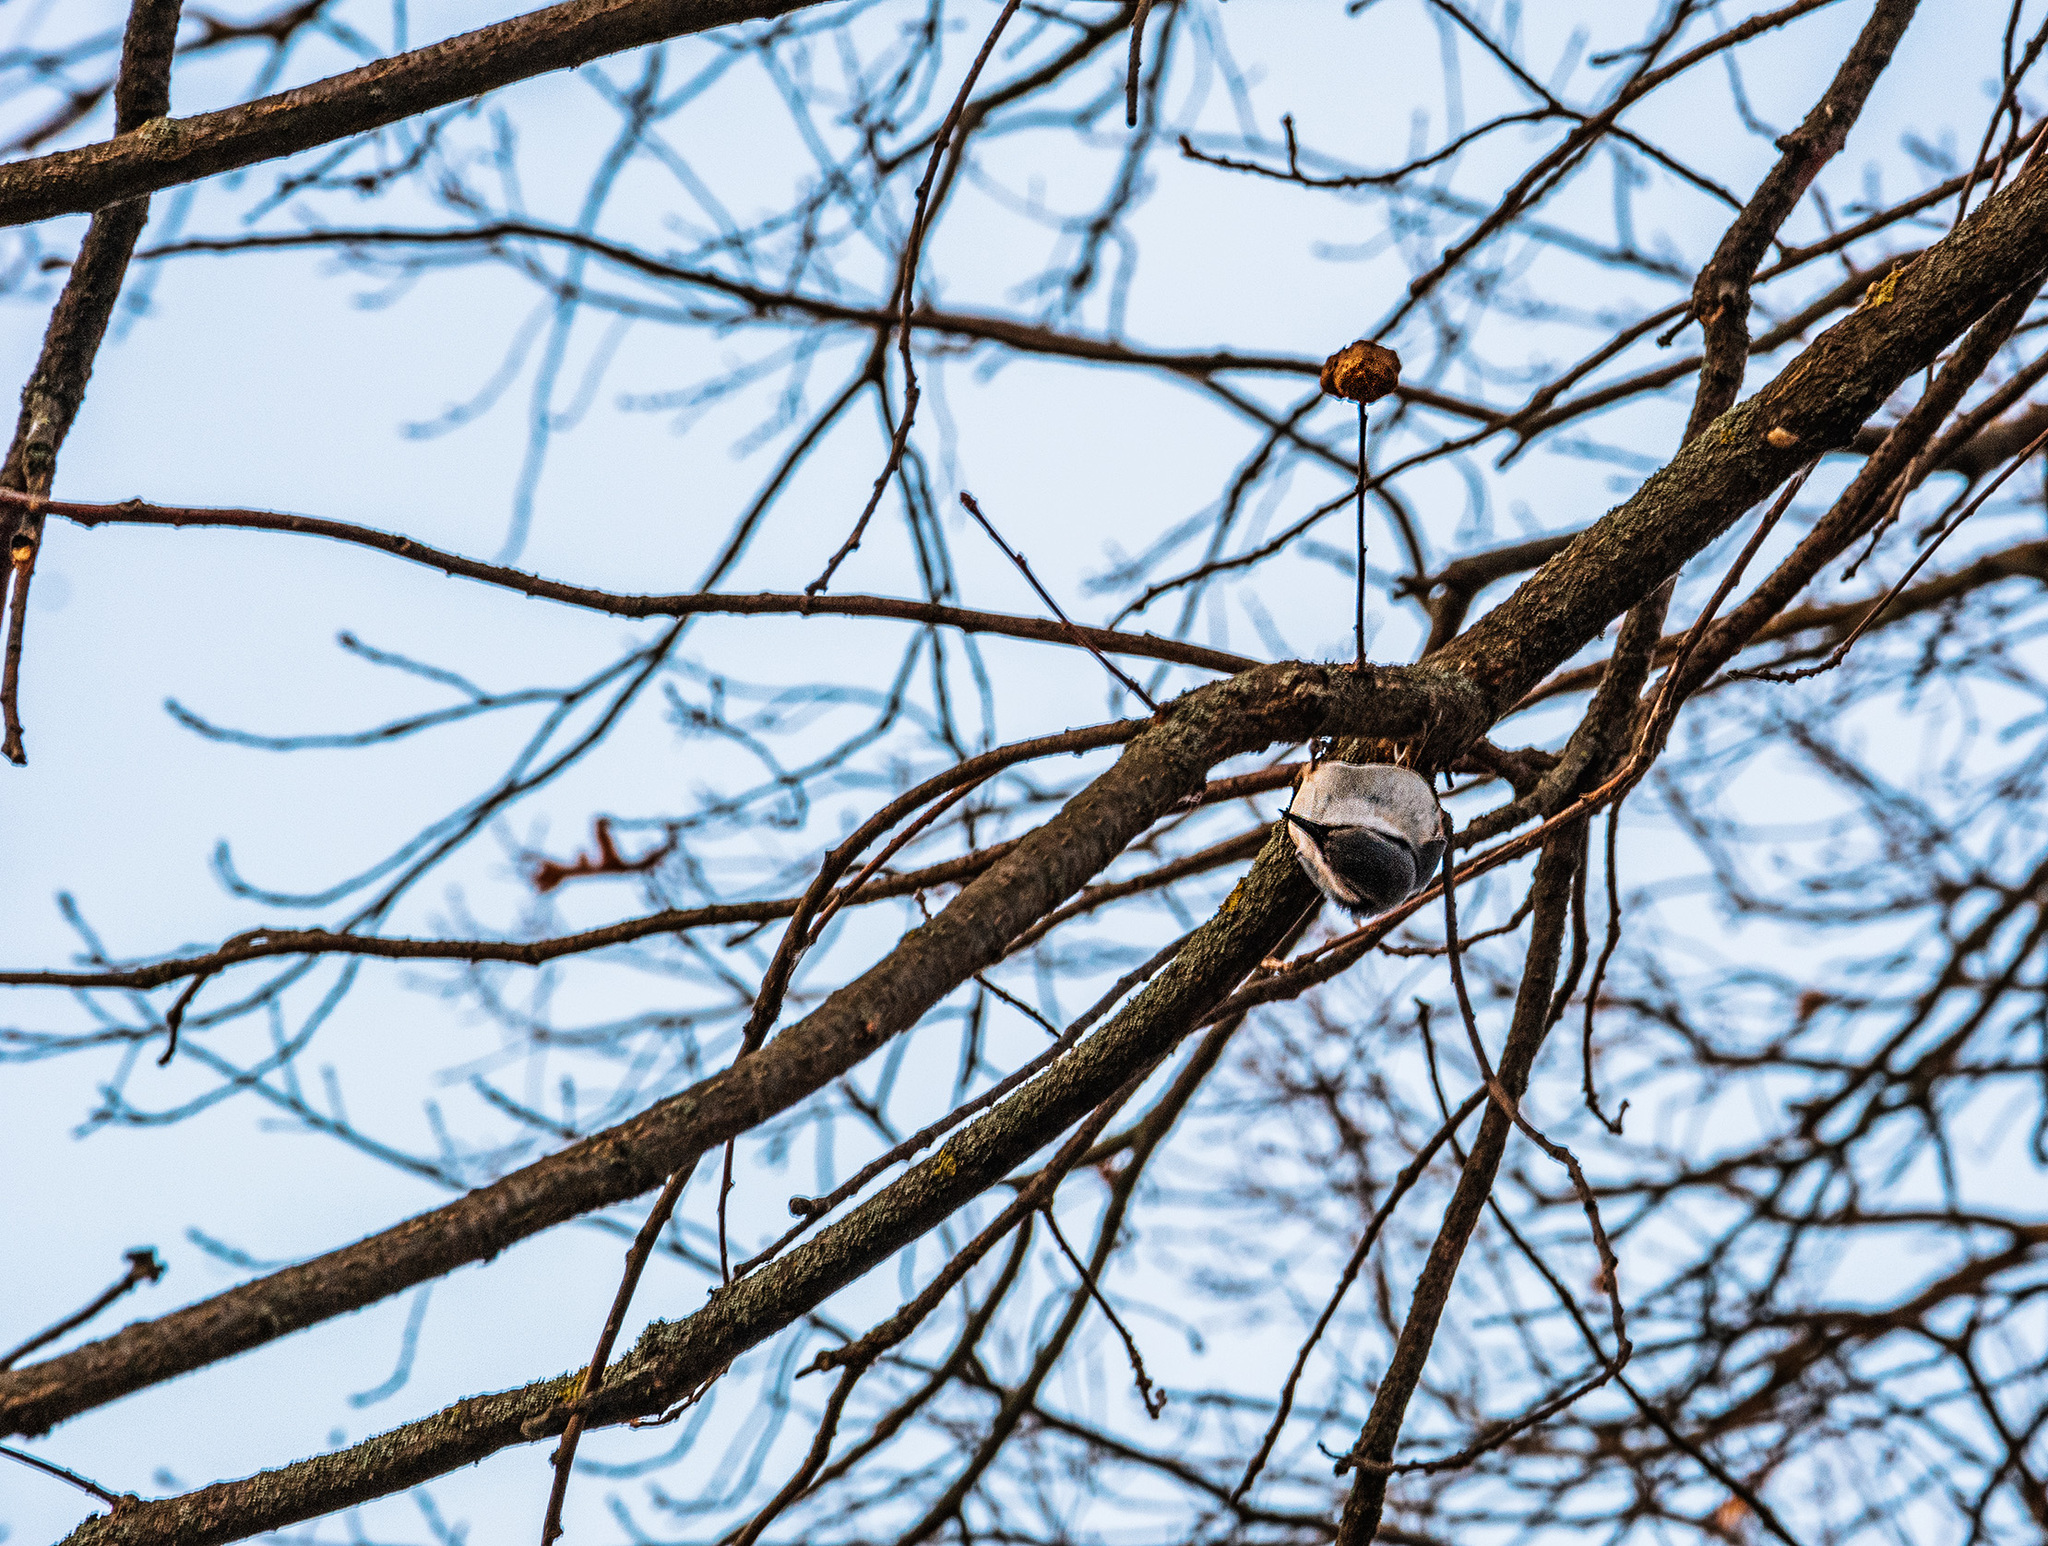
1168 761
1721 294
166 151
51 397
1438 707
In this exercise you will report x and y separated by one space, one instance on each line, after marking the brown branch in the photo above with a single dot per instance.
1456 585
810 1209
1721 294
1539 417
1987 448
957 1363
1245 845
1438 708
56 387
1154 1399
263 944
687 604
762 302
1822 1333
144 1266
1536 417
1531 1022
1144 1142
166 151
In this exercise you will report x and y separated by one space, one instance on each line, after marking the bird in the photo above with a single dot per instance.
1370 835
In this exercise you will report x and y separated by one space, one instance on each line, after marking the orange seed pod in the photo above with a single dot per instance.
1363 372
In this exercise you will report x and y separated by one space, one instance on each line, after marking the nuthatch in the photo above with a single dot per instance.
1370 836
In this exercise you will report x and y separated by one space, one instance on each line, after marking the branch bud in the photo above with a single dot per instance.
1364 372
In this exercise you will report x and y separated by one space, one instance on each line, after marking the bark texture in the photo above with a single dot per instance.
1819 401
166 151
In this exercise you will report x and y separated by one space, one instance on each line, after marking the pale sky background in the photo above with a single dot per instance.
264 381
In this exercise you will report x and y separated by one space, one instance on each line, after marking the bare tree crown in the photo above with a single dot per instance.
1064 434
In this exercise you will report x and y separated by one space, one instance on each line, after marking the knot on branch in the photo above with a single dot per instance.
1362 372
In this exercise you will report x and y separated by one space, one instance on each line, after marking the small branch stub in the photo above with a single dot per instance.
1363 372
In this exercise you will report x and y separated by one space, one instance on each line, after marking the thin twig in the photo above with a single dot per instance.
1033 1197
1131 77
593 1375
115 1500
814 1460
1155 1401
1045 596
895 846
1610 1267
144 1266
1863 625
1358 623
1607 949
906 296
1403 1184
811 1209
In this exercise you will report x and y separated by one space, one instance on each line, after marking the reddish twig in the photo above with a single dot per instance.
544 874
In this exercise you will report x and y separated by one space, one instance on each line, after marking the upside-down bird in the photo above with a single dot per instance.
1370 836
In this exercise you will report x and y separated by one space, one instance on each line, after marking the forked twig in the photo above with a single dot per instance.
1403 1184
1610 1267
1155 1401
1877 607
906 298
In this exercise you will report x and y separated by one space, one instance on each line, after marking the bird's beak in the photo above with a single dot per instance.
1314 829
